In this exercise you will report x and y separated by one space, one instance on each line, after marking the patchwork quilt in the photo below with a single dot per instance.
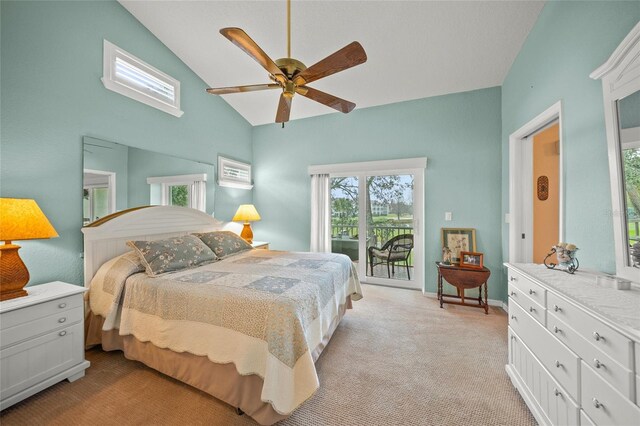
265 311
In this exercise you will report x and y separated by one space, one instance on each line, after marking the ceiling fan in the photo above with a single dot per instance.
291 75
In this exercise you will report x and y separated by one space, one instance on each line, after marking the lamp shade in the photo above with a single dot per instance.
22 219
246 213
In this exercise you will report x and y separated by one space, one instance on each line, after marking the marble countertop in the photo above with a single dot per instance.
620 307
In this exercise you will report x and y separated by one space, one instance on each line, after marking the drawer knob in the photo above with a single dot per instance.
597 403
597 363
532 291
558 364
513 279
556 308
62 305
513 293
556 392
62 333
513 317
556 329
61 320
532 309
597 336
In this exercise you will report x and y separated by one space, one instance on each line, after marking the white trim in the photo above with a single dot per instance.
516 182
228 182
370 167
179 179
110 53
111 185
490 302
620 76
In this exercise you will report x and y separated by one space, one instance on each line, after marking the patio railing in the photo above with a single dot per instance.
378 235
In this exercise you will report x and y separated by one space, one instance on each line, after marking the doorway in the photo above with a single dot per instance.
535 187
98 195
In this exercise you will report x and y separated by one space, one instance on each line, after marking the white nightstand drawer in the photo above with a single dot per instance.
603 404
40 310
593 330
38 326
530 289
614 373
535 309
27 364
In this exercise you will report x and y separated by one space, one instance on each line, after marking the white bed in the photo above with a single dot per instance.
266 373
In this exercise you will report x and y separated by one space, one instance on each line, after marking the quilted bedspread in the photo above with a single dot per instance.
265 311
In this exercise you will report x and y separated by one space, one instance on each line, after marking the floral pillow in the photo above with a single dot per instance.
224 243
172 254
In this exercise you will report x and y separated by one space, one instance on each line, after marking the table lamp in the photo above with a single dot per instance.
20 219
246 213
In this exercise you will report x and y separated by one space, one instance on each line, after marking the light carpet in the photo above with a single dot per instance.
395 359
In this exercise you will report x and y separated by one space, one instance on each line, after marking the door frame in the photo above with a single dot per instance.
111 186
413 166
521 183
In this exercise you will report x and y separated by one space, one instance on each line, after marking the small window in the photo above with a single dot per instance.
125 74
234 174
184 190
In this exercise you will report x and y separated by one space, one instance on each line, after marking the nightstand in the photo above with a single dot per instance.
41 340
260 245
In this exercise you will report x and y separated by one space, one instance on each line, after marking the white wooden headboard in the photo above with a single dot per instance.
109 239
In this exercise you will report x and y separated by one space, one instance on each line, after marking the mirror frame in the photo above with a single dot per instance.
620 76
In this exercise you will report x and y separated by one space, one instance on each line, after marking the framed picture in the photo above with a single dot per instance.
457 240
471 259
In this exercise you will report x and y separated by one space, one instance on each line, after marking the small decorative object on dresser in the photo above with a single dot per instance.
22 219
571 347
566 256
470 259
42 340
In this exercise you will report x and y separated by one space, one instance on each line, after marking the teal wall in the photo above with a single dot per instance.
52 96
459 133
568 42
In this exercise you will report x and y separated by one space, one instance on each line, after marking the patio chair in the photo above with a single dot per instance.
397 249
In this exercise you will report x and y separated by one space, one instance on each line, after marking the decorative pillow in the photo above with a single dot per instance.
172 254
224 243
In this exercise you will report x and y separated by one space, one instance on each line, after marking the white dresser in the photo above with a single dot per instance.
41 340
574 347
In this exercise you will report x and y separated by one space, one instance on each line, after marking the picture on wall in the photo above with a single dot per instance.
457 240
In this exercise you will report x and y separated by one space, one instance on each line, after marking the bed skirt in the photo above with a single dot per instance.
219 380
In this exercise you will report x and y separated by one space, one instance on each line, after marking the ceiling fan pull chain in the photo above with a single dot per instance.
288 30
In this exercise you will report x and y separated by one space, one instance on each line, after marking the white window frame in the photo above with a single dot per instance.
197 199
111 52
232 182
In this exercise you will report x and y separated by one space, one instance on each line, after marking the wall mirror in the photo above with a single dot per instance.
621 93
117 177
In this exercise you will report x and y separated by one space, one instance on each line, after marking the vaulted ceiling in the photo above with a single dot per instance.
415 49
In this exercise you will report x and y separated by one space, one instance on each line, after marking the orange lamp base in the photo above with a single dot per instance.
14 275
247 233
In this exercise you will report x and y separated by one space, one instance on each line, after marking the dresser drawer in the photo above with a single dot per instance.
530 289
40 325
593 330
40 310
28 363
603 404
585 420
618 376
562 363
535 309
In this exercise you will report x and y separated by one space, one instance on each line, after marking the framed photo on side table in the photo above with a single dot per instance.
457 240
471 259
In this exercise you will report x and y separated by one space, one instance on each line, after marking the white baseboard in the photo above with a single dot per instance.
491 302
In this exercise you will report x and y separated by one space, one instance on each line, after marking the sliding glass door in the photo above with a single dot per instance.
375 218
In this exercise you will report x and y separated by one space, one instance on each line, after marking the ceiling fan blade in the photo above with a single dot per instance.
241 89
284 109
251 48
349 56
326 99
